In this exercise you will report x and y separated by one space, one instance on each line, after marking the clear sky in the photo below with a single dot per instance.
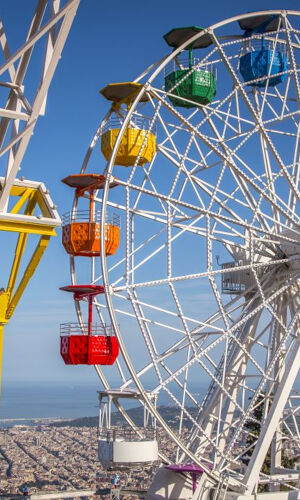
109 41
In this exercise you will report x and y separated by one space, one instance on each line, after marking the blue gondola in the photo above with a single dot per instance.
264 61
260 59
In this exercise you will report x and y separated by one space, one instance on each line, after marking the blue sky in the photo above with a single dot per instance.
109 41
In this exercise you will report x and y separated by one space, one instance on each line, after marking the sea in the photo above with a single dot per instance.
43 400
27 402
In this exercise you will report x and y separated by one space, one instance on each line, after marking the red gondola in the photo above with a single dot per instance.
98 346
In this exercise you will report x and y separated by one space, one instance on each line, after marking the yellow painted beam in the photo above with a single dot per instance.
1 350
20 247
26 227
18 190
34 262
21 201
23 194
21 244
4 300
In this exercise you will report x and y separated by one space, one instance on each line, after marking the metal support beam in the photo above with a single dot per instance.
63 21
1 353
271 423
34 262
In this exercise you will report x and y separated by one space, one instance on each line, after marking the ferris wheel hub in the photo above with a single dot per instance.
292 248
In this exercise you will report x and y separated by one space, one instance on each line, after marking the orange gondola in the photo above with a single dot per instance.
81 229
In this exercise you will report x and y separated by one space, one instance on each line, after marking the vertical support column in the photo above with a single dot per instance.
92 206
100 420
109 412
277 443
1 350
271 423
190 57
90 320
91 215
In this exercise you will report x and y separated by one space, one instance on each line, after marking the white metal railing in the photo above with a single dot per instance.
236 281
257 44
67 329
136 122
181 63
84 216
127 434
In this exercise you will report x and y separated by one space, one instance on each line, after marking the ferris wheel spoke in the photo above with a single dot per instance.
258 392
252 172
265 90
275 198
183 400
284 98
183 343
197 182
226 115
180 345
237 128
190 418
267 165
257 120
235 368
295 171
181 169
237 364
156 323
146 179
205 274
240 175
225 156
153 353
183 228
169 136
235 343
288 29
208 189
292 198
285 113
204 211
290 115
180 224
295 423
154 356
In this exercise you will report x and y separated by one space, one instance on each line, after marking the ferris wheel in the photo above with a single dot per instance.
196 219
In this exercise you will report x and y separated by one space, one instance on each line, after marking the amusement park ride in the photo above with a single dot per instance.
195 278
199 285
26 208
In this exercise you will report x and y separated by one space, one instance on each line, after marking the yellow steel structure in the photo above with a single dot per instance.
26 208
138 145
31 198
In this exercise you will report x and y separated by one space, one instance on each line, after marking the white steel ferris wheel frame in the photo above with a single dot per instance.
287 378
